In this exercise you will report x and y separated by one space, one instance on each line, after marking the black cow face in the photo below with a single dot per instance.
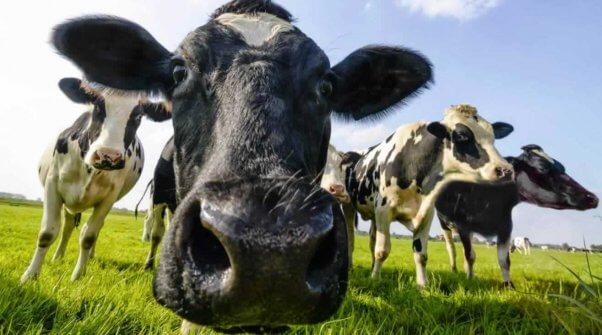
255 241
109 130
543 181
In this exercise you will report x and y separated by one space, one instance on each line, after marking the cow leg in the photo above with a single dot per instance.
149 220
350 217
157 232
372 234
469 254
419 246
503 255
51 223
88 237
449 243
70 222
382 243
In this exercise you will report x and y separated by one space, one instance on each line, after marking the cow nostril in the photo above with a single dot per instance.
332 189
501 172
322 261
208 253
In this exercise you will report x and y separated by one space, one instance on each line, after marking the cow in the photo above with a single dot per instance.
400 178
91 164
522 245
486 209
162 204
544 247
255 242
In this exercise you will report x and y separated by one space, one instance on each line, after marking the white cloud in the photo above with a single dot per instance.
368 5
462 10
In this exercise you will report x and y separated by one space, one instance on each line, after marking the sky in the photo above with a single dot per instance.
534 64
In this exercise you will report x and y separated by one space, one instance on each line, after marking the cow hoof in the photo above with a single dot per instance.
149 266
28 276
509 285
146 238
77 275
57 258
454 270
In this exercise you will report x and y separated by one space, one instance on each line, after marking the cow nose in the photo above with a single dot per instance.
247 259
108 159
336 189
503 173
592 200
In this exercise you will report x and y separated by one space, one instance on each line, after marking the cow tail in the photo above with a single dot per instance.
142 198
77 219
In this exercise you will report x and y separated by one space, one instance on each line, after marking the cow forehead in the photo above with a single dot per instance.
120 106
256 29
482 129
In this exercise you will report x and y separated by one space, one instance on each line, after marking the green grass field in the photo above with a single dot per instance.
115 296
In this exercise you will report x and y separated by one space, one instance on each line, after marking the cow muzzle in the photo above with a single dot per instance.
107 159
254 254
339 192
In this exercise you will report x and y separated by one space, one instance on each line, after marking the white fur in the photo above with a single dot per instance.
522 245
256 29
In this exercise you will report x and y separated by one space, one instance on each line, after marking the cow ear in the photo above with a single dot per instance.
157 112
72 88
115 53
373 80
438 130
501 130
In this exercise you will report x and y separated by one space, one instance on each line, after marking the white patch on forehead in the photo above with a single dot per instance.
256 29
543 155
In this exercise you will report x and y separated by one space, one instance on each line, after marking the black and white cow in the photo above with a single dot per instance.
522 245
254 241
162 204
91 164
486 209
399 179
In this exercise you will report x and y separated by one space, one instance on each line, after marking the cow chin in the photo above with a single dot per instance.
242 258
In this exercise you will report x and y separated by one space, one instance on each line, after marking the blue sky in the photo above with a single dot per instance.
535 64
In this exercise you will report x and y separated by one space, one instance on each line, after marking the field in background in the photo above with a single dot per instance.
115 296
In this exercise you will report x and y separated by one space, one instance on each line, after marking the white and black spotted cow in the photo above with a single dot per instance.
162 202
486 208
91 164
399 179
522 245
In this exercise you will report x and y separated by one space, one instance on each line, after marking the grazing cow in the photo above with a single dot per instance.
486 209
522 245
544 247
399 179
254 240
92 164
162 202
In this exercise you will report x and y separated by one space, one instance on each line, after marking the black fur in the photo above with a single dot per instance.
467 149
73 90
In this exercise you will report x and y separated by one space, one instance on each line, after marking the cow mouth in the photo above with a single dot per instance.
109 166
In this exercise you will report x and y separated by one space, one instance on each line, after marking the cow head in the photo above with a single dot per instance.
543 181
254 242
469 144
115 118
333 179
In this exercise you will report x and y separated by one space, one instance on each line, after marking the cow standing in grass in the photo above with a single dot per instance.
399 179
254 242
92 164
522 245
486 209
162 202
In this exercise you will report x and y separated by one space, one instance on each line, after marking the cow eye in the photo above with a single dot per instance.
179 71
325 88
461 137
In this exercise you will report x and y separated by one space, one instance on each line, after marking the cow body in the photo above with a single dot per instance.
399 179
486 208
91 164
522 245
252 98
162 203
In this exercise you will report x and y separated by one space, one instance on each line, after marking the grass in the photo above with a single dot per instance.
115 297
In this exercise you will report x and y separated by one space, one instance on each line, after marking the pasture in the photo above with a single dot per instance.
115 296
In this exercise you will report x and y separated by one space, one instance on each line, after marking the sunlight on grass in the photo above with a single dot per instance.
556 293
